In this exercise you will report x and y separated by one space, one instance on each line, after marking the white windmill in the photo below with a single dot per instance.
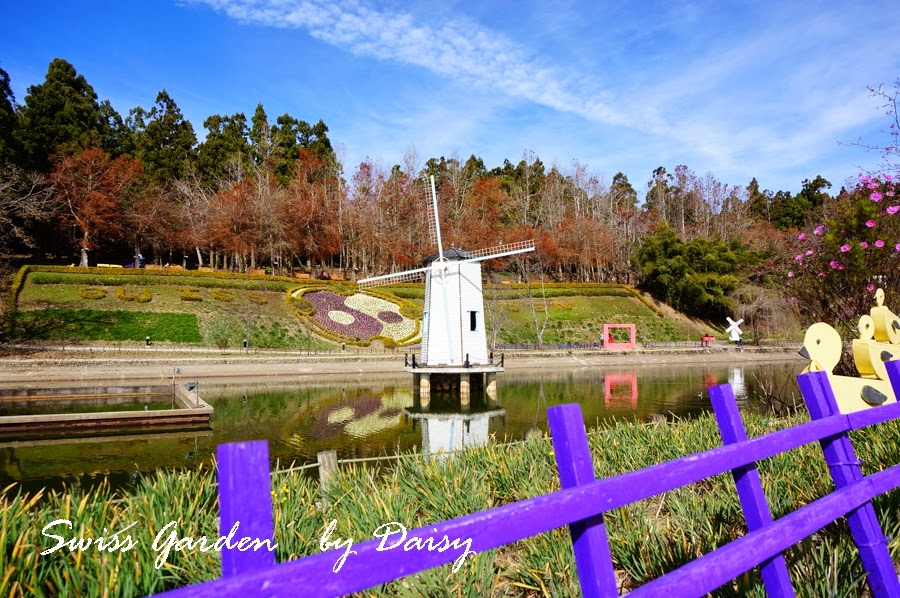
454 339
734 330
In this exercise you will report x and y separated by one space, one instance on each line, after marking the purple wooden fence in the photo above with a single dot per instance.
581 503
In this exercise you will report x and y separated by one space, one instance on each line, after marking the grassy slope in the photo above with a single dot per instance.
51 307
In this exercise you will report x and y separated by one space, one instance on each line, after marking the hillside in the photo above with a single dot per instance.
218 309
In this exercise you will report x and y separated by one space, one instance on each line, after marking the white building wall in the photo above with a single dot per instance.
442 302
474 342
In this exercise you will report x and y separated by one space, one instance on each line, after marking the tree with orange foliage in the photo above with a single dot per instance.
92 189
310 209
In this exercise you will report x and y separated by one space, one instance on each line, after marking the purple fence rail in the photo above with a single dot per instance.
580 505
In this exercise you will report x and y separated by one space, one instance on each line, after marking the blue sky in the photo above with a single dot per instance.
736 88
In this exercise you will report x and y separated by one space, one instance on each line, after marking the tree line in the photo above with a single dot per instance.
77 180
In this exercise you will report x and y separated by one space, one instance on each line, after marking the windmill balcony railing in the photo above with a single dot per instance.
409 361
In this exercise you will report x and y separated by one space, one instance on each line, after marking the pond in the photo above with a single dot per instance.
382 417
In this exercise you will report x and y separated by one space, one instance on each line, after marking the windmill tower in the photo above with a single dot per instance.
454 338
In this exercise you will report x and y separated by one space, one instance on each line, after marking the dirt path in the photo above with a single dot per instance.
55 368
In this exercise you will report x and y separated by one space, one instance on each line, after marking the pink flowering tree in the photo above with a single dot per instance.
837 264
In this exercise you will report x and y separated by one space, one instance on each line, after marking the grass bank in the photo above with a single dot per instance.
647 538
229 308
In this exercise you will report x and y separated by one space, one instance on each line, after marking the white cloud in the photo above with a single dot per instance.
776 91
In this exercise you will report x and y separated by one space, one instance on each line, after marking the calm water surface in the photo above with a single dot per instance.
381 418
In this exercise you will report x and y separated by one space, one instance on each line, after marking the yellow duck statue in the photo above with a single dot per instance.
823 347
878 342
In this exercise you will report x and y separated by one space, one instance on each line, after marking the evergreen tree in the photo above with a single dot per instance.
290 136
8 119
163 140
225 153
60 116
695 277
759 202
622 194
261 139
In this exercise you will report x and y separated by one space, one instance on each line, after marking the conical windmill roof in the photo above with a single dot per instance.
452 254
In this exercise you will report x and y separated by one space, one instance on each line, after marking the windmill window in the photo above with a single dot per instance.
473 321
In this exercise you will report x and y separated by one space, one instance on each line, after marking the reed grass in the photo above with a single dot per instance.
647 538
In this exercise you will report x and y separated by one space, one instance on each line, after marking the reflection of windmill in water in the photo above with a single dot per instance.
454 353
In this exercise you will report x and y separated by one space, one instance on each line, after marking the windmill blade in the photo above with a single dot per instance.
386 279
488 253
434 224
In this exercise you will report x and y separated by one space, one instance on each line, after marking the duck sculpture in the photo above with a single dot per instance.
878 342
823 347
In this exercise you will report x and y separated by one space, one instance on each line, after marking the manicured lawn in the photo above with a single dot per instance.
87 324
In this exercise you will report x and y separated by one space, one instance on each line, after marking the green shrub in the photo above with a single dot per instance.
257 298
188 294
92 292
222 295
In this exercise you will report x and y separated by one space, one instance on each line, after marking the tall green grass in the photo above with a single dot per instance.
647 538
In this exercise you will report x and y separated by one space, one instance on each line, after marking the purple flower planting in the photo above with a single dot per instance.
390 317
845 248
801 236
870 223
875 196
892 210
879 243
864 244
819 229
361 326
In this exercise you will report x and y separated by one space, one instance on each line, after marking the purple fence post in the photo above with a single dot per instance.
893 370
589 541
245 502
774 571
844 468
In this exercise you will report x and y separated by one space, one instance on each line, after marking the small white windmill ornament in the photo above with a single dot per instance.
734 329
453 330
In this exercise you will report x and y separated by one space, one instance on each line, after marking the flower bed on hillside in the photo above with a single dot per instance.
359 318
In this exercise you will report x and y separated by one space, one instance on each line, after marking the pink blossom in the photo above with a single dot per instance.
819 230
791 274
845 248
889 177
798 258
809 252
840 266
879 243
872 185
793 300
897 246
875 196
889 193
821 275
834 264
865 178
870 223
864 244
893 209
870 287
801 236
